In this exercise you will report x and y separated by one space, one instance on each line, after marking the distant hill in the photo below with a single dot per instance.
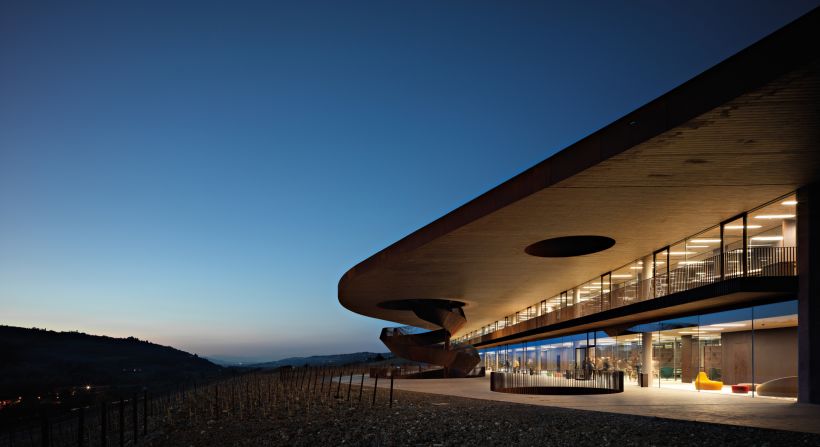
327 360
39 361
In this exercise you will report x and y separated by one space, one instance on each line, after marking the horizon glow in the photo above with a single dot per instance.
201 177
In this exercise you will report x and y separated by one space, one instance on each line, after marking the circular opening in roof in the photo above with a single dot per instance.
411 304
567 246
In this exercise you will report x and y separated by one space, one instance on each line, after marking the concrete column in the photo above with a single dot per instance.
686 370
789 234
808 269
646 273
646 342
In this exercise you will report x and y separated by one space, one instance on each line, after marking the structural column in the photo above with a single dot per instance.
646 290
686 369
808 313
646 342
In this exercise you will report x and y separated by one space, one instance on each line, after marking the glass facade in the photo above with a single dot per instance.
739 351
749 351
761 242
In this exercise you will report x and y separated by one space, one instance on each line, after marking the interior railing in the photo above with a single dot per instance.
759 262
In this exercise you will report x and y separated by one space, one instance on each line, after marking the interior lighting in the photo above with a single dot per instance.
740 227
621 275
681 253
697 246
789 202
775 216
767 238
706 241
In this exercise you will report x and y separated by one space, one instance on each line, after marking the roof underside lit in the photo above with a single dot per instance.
738 135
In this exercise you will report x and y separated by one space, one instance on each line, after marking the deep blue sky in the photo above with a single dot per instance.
202 174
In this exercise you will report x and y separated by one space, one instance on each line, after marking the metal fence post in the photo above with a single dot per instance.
375 384
44 430
144 412
216 400
322 388
122 422
134 417
339 385
330 384
391 389
103 425
80 427
361 387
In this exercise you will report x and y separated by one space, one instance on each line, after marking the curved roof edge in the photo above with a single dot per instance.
790 47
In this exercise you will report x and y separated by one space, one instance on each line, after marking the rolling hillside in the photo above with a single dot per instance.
41 361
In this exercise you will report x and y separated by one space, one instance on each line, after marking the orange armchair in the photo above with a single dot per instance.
702 382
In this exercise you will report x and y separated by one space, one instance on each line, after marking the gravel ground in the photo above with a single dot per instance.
435 420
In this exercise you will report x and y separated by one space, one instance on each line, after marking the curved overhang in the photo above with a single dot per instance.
739 134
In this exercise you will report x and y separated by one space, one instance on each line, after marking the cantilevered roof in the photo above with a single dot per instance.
743 132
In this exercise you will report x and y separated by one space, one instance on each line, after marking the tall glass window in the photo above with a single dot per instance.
772 238
703 260
732 237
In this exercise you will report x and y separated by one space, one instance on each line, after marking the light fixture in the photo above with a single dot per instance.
681 253
636 268
728 325
774 216
767 238
789 202
705 241
697 246
621 275
740 227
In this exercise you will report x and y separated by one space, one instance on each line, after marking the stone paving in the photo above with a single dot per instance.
781 414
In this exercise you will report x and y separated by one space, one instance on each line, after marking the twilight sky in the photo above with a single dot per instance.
201 174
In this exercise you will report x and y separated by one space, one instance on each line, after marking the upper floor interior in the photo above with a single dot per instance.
759 242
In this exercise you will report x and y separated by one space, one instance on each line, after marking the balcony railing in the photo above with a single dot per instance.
759 262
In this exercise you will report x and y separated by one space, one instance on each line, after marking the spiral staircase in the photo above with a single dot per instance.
433 347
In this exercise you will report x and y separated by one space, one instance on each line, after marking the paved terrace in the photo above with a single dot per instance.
781 414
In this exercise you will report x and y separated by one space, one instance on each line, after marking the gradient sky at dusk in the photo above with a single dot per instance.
201 174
